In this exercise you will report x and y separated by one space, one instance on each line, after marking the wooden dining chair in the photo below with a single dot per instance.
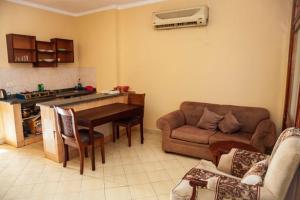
80 139
128 123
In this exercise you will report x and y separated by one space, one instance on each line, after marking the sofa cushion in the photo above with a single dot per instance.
249 117
236 137
229 124
209 120
192 134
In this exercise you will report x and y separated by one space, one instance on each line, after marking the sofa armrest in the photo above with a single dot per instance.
264 136
171 121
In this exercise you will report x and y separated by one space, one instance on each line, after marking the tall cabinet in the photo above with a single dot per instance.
292 99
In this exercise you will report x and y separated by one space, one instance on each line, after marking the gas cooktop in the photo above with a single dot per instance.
35 95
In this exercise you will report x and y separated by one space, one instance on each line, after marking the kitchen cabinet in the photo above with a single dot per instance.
21 48
64 50
46 54
25 49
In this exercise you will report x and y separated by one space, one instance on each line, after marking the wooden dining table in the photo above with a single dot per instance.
97 116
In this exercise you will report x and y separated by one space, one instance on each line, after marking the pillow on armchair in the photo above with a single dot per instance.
256 173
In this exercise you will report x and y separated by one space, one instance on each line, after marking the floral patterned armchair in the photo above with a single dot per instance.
244 175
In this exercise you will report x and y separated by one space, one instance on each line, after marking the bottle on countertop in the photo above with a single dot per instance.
79 85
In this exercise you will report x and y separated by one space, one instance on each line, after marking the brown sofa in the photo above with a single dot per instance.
180 134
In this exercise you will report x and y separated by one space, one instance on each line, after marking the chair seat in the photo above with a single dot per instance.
84 135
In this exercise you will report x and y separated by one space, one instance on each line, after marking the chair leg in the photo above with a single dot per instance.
114 132
86 152
93 158
128 130
81 156
102 151
66 156
118 131
142 132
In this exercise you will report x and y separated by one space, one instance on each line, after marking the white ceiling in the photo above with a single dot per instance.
82 7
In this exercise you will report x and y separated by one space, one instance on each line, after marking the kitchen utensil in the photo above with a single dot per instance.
122 89
3 94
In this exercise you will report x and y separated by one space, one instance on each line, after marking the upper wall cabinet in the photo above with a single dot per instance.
64 50
21 48
25 49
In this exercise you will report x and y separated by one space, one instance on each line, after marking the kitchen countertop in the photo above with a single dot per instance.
62 94
77 100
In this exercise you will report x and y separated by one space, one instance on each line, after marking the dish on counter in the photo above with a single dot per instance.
48 59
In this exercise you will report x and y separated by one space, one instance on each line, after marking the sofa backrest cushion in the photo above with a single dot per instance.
249 117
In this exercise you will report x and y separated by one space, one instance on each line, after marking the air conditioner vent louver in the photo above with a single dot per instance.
181 18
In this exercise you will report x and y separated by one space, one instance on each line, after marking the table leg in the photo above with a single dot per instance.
102 151
114 131
142 132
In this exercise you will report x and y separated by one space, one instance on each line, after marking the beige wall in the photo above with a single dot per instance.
97 36
25 20
240 58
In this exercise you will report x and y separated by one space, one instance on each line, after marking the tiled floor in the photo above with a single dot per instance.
140 172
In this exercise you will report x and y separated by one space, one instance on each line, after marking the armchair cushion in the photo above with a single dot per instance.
237 162
219 186
192 134
256 173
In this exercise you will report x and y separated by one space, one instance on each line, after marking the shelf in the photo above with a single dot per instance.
64 50
33 138
20 47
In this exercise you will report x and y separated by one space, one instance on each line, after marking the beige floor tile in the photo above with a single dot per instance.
177 173
130 160
138 178
171 164
115 181
120 193
160 175
152 166
163 187
163 197
18 192
133 168
147 198
141 191
92 195
142 172
92 184
69 186
113 170
67 196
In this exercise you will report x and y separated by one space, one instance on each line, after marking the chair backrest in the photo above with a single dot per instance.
66 123
136 99
283 163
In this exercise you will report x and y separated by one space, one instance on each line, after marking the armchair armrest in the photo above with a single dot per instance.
264 136
171 121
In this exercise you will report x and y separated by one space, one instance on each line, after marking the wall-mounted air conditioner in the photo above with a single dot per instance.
181 18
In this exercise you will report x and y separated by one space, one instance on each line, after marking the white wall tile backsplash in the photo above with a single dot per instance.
19 79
